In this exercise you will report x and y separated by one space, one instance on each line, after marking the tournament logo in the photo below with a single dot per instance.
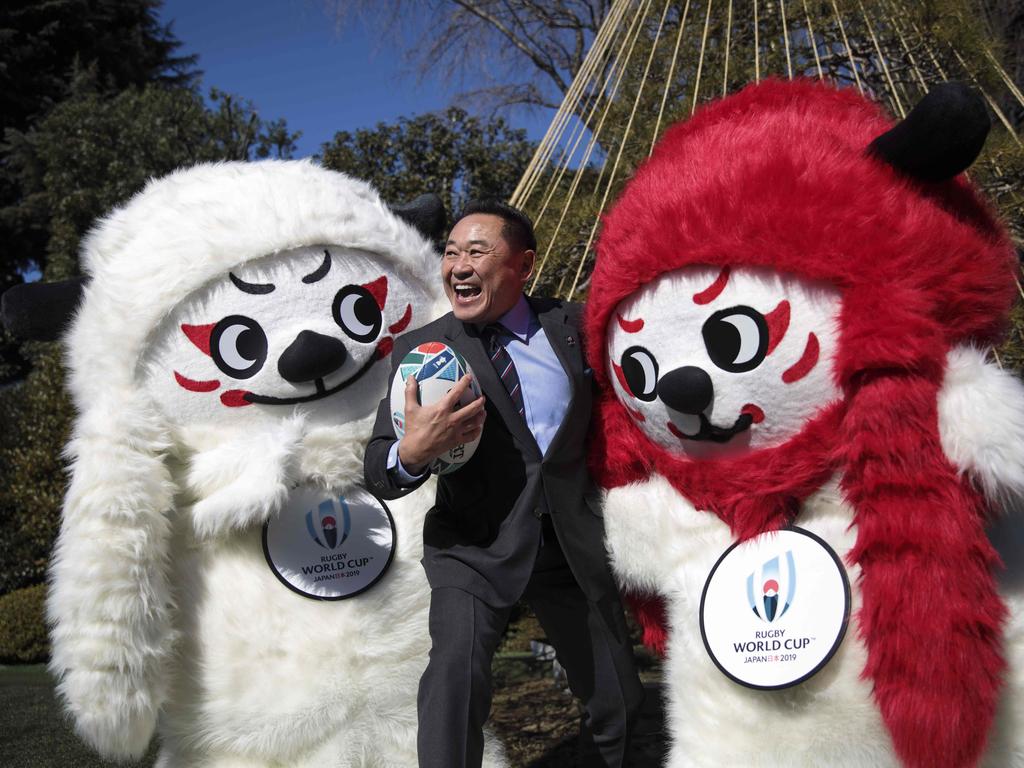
768 577
330 548
323 526
753 628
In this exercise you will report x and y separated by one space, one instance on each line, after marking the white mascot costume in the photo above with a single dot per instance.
220 576
789 317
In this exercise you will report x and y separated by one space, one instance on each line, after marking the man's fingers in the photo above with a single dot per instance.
412 393
455 393
464 414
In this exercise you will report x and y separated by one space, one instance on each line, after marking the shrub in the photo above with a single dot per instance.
23 637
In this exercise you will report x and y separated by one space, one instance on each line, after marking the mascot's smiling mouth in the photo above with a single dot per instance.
710 433
240 397
749 415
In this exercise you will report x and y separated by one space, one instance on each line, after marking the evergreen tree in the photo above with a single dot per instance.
453 154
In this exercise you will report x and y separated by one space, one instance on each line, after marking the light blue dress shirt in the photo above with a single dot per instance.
545 385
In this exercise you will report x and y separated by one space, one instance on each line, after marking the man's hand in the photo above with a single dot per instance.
431 430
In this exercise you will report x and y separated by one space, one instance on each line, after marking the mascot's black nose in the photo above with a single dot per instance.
311 356
687 390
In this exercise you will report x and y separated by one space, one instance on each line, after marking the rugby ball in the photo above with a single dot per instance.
436 367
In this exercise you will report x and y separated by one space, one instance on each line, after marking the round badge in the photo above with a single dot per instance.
775 609
330 547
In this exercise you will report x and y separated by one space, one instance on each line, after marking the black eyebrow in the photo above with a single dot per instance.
320 271
245 287
471 242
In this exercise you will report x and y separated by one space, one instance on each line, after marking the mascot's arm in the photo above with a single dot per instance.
109 605
644 533
931 617
242 481
981 425
647 545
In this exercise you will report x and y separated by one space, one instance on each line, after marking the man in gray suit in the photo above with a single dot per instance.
520 518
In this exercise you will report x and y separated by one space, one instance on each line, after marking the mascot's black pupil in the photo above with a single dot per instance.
356 311
640 369
238 346
736 339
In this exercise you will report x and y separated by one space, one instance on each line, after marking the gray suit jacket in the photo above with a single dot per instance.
482 533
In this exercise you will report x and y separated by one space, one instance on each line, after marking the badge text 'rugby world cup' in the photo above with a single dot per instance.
775 609
330 547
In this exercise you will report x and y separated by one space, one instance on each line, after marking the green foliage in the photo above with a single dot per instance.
34 417
454 154
90 152
23 636
44 48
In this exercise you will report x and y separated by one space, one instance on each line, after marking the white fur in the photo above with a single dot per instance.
981 424
165 613
830 720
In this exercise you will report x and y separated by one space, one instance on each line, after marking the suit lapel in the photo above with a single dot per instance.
469 343
564 340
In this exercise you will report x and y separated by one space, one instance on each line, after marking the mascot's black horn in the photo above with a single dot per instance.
426 213
940 137
40 311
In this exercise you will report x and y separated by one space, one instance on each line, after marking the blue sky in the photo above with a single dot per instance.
292 61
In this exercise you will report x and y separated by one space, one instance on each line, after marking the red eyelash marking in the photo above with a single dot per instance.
805 364
622 379
379 290
196 386
712 292
402 324
384 347
199 335
629 326
778 324
234 398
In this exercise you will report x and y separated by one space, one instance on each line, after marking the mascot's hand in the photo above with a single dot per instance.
112 713
981 425
331 456
244 480
645 534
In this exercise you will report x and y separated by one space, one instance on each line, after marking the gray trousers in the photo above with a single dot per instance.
591 642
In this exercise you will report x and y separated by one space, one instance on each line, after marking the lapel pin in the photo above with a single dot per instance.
570 340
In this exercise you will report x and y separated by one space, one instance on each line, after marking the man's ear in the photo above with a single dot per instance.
526 268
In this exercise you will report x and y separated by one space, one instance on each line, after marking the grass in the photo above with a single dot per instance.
535 718
33 730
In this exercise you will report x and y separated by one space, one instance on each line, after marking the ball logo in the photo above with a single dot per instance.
768 577
323 526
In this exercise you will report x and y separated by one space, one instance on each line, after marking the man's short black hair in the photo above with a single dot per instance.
517 228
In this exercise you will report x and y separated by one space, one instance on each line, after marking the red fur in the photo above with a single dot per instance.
777 176
651 614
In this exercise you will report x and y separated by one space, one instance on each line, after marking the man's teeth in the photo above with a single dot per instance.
467 290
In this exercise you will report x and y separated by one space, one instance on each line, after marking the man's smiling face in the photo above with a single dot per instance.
483 273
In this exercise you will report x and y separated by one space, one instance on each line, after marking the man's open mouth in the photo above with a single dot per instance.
465 293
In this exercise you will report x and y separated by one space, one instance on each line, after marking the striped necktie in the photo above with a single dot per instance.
502 362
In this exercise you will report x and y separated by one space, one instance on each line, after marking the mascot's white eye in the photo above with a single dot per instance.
238 346
736 339
640 369
356 311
